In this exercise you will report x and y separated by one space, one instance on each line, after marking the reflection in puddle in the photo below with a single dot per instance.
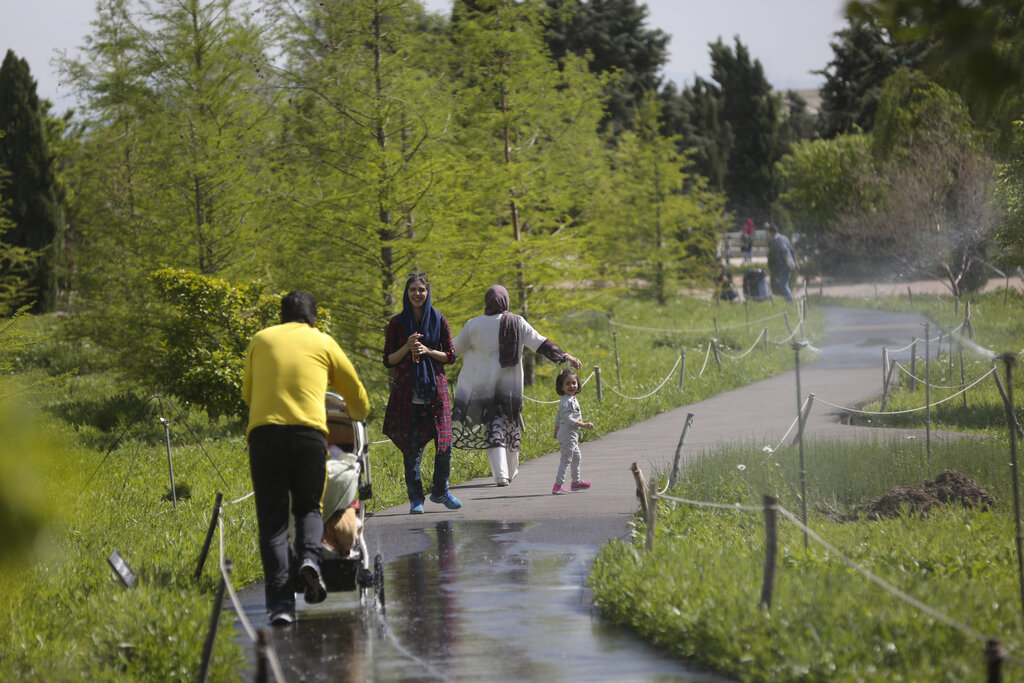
482 603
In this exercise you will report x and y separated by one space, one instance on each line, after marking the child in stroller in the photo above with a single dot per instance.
345 563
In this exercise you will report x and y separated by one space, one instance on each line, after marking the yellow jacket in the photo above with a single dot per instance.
287 369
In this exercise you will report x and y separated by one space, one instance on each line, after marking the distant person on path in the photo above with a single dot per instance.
747 241
568 423
489 395
727 249
286 374
418 344
781 262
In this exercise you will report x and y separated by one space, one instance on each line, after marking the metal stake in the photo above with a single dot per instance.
170 465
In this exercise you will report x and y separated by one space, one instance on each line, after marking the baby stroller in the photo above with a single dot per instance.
345 561
755 285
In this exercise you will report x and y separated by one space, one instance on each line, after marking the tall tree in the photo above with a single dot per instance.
15 262
694 118
935 218
864 54
531 128
614 37
172 168
34 206
658 223
752 114
975 48
370 184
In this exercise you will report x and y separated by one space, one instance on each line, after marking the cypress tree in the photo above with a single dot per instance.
31 188
752 114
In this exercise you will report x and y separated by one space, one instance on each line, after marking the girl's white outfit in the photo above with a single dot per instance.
568 416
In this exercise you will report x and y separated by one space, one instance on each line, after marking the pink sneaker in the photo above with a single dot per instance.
559 490
580 485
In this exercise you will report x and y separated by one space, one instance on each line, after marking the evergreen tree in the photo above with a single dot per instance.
613 36
864 55
31 188
15 262
694 118
752 114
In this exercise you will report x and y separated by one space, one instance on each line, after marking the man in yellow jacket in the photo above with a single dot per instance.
287 370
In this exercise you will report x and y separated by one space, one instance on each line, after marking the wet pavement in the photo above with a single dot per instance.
497 590
481 603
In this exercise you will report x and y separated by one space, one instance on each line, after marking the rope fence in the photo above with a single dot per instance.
909 410
640 328
994 653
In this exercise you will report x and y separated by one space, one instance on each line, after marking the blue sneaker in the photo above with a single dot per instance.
446 499
416 507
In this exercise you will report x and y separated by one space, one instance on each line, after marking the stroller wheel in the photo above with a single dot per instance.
378 581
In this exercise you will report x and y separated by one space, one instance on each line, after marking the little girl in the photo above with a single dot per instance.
568 423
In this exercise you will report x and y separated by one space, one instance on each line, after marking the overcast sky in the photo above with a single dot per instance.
789 37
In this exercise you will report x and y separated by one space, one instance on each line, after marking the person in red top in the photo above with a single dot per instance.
418 344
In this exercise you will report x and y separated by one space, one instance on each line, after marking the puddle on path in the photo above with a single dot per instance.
481 604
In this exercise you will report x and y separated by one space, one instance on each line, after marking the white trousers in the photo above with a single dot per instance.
504 463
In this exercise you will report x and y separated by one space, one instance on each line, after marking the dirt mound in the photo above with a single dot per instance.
948 487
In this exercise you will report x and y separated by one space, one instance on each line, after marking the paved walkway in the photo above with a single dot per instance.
848 371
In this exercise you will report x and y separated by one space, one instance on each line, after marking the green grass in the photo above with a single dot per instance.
998 328
697 593
83 471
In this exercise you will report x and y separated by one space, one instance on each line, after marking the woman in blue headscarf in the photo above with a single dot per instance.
418 344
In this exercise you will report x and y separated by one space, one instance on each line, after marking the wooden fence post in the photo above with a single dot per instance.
615 341
597 376
718 361
994 655
204 664
910 294
652 513
785 316
209 536
913 365
641 488
885 394
1006 403
764 335
262 646
885 366
771 551
682 369
1010 359
927 394
679 450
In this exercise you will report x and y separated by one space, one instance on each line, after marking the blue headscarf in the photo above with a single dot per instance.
424 384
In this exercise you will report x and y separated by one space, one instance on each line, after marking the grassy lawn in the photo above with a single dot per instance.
697 592
84 471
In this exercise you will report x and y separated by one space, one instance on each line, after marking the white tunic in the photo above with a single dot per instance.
488 397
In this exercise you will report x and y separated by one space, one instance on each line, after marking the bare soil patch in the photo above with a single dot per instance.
949 487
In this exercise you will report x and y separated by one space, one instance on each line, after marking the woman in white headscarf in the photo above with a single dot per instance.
489 395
